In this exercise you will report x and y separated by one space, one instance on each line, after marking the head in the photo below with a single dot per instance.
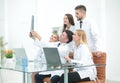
68 20
80 12
79 37
66 36
54 38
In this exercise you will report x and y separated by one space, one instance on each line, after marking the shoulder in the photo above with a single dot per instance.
70 43
84 50
90 21
52 44
83 47
72 28
77 25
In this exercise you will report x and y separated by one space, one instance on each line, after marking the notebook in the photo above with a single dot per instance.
20 55
53 58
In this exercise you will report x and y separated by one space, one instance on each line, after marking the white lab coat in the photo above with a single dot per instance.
72 28
83 57
93 37
63 50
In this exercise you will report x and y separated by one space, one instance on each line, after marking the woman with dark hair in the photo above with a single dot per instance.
68 23
64 46
82 57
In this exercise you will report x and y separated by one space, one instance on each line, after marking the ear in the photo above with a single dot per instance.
84 13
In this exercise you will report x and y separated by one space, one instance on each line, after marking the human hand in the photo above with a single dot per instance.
71 55
35 35
98 54
67 58
30 34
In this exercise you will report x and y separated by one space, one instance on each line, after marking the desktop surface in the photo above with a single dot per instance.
31 67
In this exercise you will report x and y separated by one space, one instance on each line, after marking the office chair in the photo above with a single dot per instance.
101 68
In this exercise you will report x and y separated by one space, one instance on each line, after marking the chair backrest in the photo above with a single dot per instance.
101 70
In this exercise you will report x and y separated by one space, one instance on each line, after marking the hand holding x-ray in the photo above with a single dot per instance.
32 28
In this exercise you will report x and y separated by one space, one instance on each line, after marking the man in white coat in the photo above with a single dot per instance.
90 28
64 47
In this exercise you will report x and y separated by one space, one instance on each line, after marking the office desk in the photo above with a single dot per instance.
32 67
27 70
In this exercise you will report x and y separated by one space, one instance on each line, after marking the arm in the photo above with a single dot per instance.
82 56
68 59
40 42
36 35
97 39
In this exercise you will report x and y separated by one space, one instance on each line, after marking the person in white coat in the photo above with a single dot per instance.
68 23
82 57
64 47
91 30
53 38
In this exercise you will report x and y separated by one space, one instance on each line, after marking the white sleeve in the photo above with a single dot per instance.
96 37
82 56
76 62
71 46
41 43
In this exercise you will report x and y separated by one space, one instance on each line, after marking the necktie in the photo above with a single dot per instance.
80 24
58 45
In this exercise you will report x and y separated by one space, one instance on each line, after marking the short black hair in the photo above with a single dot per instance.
81 7
69 35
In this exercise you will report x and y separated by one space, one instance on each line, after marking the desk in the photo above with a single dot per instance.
35 68
32 67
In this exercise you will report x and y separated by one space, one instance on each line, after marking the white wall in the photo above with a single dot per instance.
15 21
18 23
52 11
1 25
113 39
18 20
2 18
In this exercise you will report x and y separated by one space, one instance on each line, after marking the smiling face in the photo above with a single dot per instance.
66 20
54 38
79 37
76 37
63 37
80 14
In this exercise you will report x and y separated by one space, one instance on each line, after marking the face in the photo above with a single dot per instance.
66 21
76 37
53 38
63 37
79 14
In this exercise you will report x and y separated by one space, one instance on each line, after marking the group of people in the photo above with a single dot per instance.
80 40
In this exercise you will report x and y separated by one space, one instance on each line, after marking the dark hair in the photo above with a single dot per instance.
80 7
70 19
69 35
